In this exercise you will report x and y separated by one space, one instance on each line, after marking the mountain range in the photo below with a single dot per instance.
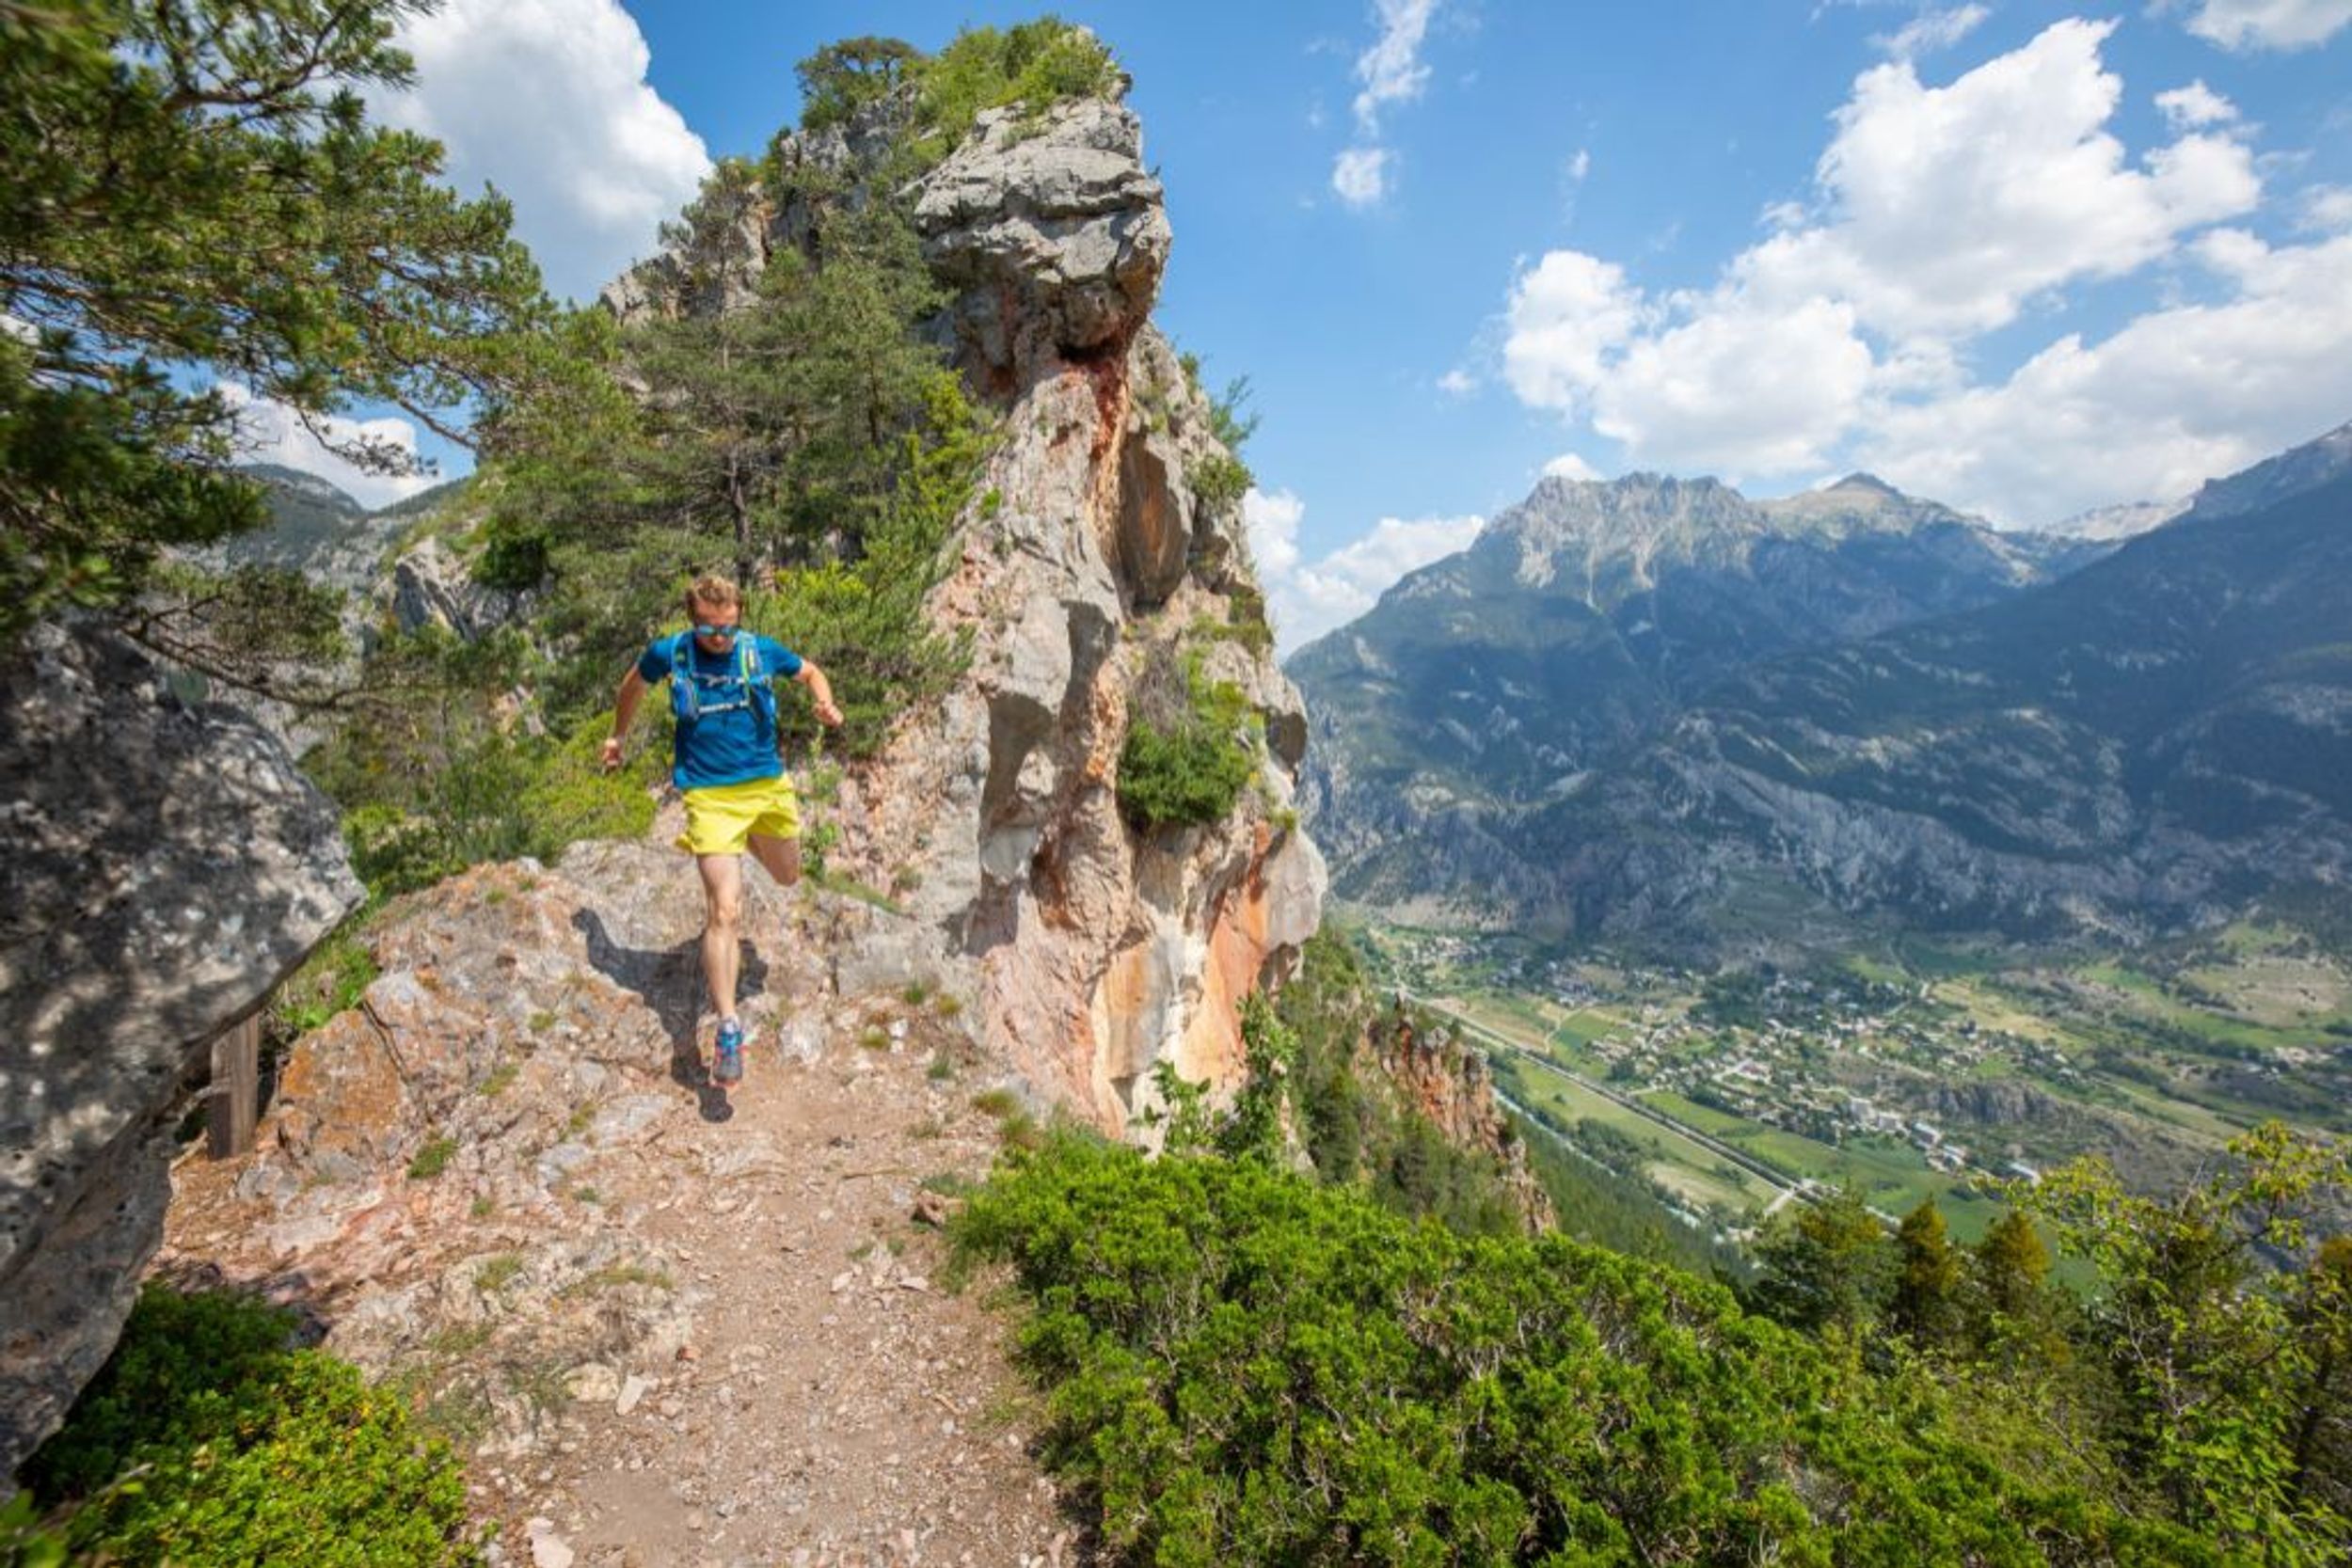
320 530
1655 708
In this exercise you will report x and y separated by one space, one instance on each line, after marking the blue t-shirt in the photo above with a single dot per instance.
731 741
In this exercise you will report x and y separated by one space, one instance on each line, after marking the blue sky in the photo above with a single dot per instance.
2022 257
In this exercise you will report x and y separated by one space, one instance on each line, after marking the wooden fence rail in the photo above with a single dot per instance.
235 1093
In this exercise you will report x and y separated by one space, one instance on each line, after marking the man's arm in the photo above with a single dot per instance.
624 714
819 688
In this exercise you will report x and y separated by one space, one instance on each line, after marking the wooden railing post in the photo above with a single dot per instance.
236 1089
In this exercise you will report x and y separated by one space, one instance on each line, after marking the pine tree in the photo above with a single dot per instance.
195 183
1926 1280
2011 1267
2211 1354
776 426
1826 1264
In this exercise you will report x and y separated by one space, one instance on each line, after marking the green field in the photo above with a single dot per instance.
1721 1124
1697 1172
2154 1059
1889 1176
1588 1024
1515 1018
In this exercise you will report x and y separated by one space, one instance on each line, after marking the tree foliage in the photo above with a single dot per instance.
1825 1264
1035 63
1243 1367
2200 1380
191 189
246 1449
2216 1360
1925 1305
842 78
1185 765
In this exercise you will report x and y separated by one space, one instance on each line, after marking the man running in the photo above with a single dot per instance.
727 764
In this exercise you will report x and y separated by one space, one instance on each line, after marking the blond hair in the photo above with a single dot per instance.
714 593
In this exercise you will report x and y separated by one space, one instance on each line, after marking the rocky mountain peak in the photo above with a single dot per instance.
1628 525
2114 524
1859 503
310 487
2291 473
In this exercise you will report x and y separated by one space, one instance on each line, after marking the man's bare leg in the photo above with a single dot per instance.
780 856
722 928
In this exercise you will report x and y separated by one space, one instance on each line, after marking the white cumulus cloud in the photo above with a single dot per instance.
1945 209
1391 70
547 100
1849 335
2175 397
1739 390
1309 598
2240 24
1360 175
1566 316
1932 30
269 432
2326 209
1570 465
2194 105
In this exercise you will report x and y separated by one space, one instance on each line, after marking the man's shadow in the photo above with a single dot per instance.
670 981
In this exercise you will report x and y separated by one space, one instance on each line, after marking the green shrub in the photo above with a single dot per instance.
1035 64
394 850
250 1451
842 78
432 1159
1191 771
1245 619
495 795
1243 1367
1218 482
514 557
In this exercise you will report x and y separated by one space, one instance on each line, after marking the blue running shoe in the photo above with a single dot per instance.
728 1069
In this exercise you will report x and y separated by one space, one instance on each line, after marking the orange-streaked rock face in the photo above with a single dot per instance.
1087 567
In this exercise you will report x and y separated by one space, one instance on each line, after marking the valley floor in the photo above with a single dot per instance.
1727 1095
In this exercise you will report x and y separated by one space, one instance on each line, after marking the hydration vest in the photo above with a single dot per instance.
748 688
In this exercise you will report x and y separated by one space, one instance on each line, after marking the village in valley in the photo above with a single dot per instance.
1731 1093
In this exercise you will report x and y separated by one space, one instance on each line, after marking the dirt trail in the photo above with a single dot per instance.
673 1326
838 1406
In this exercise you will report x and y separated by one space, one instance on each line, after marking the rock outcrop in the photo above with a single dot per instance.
1088 565
661 1322
166 867
432 587
1440 1076
1054 242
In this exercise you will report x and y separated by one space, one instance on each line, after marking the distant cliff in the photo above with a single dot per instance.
1581 624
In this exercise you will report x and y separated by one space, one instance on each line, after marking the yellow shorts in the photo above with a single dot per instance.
720 821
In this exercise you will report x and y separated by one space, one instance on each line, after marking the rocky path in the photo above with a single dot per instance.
835 1405
667 1326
